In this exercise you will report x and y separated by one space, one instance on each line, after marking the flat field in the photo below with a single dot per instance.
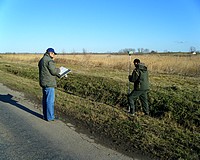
94 96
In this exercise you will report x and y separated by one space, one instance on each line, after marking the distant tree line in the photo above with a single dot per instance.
139 50
192 49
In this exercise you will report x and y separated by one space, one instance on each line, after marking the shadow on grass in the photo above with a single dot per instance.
8 99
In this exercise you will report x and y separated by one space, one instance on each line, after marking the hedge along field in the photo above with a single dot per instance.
174 103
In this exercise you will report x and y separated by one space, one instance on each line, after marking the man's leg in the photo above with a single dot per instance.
131 100
50 103
144 101
44 103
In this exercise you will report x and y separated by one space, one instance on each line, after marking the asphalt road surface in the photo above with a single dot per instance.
25 135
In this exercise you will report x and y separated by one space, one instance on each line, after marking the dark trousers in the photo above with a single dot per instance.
142 95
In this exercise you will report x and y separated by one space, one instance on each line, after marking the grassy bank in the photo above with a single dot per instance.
97 101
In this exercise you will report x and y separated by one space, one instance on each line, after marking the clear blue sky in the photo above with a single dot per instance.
99 25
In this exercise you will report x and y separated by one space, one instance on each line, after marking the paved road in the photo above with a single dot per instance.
25 135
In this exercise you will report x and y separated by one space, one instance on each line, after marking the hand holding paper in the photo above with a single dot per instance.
64 71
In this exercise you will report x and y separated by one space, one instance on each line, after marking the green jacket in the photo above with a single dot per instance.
140 78
47 71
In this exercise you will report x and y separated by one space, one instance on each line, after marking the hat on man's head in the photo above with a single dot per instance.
50 50
136 61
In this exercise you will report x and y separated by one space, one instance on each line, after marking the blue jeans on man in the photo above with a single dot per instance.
48 103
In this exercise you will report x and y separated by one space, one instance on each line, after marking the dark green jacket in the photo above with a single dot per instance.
47 71
140 78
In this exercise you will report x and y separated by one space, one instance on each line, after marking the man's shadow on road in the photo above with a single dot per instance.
8 99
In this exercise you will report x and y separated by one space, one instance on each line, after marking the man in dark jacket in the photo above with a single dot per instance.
47 79
141 86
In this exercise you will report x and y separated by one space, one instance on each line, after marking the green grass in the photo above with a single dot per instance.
97 101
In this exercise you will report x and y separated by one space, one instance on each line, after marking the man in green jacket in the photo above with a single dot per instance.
47 80
141 86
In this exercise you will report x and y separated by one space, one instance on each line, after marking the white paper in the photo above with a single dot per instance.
63 71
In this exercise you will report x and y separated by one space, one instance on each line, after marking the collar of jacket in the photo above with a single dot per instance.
46 54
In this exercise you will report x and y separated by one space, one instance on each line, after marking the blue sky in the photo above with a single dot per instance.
99 25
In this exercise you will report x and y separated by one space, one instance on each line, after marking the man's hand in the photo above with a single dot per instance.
130 78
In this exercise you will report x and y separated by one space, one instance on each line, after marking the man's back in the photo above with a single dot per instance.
140 77
47 72
143 77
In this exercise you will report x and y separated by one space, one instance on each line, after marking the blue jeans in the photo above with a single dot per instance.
48 103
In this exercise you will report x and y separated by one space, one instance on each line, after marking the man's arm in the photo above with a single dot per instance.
134 76
52 68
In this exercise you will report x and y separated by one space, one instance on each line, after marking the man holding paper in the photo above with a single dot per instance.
47 78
